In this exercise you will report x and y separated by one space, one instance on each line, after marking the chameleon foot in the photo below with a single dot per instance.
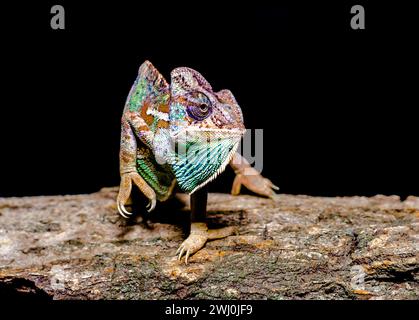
220 233
198 237
254 181
125 191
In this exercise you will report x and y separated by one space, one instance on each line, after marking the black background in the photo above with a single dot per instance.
337 105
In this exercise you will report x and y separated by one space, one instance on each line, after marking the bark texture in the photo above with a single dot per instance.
297 247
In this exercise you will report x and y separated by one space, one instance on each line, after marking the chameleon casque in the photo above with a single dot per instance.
183 133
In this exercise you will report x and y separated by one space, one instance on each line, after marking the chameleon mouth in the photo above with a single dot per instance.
210 131
200 155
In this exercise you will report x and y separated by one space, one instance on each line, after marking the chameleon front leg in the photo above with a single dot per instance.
250 178
128 171
199 233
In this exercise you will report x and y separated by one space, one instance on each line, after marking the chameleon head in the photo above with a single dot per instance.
206 128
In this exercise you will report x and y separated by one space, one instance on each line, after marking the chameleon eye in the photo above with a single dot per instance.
199 106
200 112
203 107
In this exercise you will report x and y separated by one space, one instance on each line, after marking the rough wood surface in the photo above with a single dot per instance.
297 247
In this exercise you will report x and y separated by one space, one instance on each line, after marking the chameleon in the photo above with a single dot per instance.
182 134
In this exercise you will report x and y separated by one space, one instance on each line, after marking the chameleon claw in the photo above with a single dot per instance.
151 205
123 212
187 256
274 187
126 211
181 252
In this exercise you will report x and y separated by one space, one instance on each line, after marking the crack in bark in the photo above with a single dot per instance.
21 288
